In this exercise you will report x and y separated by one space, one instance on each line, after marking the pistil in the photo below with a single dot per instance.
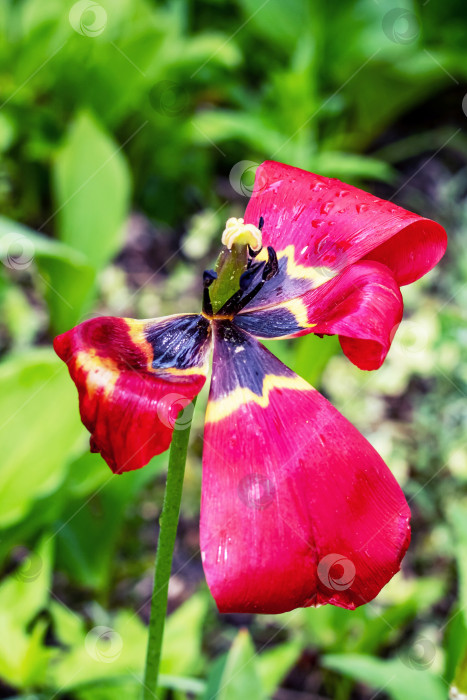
238 239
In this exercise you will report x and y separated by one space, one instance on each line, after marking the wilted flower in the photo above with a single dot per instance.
297 507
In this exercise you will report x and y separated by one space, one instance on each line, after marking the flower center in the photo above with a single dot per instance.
237 278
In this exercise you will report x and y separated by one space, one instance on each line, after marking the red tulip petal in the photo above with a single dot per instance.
363 305
133 379
319 225
297 507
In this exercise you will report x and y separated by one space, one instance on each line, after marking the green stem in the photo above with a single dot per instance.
165 546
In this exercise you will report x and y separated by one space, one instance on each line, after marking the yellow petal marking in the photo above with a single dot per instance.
222 408
319 275
298 308
202 370
101 372
136 333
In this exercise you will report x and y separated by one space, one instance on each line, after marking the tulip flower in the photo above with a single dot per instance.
297 507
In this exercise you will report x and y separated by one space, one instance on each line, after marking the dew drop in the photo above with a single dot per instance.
297 212
222 548
278 425
316 223
326 207
343 193
361 208
318 187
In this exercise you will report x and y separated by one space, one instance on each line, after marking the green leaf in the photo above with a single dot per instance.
67 626
392 677
460 680
23 656
181 649
458 520
366 629
7 132
221 125
416 597
24 593
110 650
65 274
455 645
35 246
130 688
281 22
92 190
113 651
351 166
42 513
68 291
39 428
20 317
205 47
122 688
240 677
312 354
215 677
274 664
91 526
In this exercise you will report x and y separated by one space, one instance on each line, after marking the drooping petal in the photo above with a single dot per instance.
133 379
297 507
363 305
319 225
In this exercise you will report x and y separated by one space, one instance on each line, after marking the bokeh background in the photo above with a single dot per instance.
129 131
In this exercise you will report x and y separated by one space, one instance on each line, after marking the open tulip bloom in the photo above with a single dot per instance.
297 507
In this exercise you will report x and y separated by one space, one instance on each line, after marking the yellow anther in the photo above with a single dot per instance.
236 231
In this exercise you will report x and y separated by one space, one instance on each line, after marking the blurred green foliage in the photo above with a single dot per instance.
129 132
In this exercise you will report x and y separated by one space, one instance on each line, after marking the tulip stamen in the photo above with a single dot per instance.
237 232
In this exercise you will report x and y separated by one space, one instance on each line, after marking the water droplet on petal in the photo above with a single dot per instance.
222 548
326 207
318 186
